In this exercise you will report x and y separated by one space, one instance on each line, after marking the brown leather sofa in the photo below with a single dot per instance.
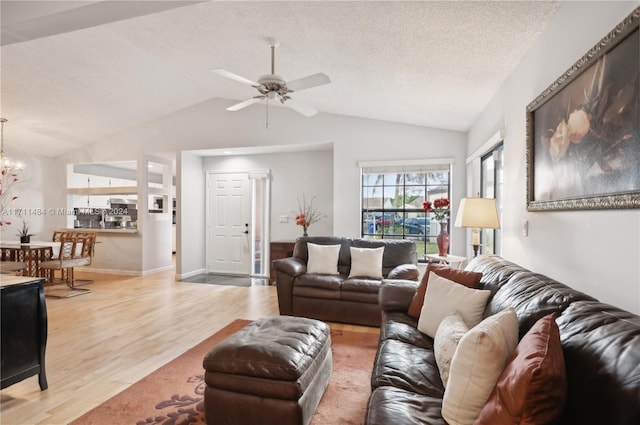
337 298
601 347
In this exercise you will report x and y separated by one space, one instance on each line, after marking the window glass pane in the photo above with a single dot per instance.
414 196
437 192
439 177
392 205
380 179
370 179
491 187
393 196
393 178
371 199
415 179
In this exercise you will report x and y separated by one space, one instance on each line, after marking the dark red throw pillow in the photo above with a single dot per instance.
468 279
532 389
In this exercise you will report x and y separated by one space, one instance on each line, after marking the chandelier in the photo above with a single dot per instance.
8 164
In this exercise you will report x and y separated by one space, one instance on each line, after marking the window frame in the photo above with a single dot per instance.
493 237
425 242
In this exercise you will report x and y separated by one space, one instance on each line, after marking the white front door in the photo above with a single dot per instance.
229 223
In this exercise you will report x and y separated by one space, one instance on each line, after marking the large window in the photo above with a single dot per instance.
492 187
392 197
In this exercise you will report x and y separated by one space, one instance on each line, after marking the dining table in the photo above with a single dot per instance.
32 253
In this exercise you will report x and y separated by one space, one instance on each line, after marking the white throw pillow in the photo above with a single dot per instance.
480 358
366 262
323 259
443 297
448 336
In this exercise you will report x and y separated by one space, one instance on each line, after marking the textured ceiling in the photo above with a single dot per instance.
74 73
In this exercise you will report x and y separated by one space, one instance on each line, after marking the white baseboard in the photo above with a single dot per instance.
125 272
111 271
193 273
159 269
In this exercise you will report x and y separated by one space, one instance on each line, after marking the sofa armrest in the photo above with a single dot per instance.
396 295
287 269
292 266
405 272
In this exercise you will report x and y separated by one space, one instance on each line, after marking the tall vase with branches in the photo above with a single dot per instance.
307 214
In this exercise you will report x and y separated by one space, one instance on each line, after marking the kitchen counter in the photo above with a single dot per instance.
118 250
131 251
101 230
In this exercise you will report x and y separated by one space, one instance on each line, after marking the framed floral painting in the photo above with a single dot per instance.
583 131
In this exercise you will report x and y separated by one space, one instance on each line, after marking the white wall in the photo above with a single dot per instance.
597 252
37 202
190 214
292 175
366 140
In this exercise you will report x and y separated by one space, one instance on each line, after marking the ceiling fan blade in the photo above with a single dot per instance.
235 77
303 109
244 104
308 82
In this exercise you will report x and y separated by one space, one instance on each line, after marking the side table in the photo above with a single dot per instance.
450 260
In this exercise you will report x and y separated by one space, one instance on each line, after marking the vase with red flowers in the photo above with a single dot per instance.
307 214
440 210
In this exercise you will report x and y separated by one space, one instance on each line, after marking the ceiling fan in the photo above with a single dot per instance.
273 86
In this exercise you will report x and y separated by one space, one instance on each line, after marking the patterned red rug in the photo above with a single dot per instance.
173 394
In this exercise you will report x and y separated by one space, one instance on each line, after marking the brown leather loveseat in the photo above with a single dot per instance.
338 298
600 344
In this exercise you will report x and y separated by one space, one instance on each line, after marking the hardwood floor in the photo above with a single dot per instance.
101 343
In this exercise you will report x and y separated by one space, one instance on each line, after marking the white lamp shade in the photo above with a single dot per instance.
478 212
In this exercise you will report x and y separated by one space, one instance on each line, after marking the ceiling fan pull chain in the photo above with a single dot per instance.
267 125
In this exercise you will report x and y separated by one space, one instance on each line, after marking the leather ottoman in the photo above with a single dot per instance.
274 371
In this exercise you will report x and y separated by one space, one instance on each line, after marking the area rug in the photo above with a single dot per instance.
173 394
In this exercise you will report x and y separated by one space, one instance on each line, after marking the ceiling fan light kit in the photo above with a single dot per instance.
273 87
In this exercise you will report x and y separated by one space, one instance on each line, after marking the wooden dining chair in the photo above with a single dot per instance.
57 235
12 267
87 251
75 251
10 264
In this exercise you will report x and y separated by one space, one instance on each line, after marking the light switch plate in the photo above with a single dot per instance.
284 219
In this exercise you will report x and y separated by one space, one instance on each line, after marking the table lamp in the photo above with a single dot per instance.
477 213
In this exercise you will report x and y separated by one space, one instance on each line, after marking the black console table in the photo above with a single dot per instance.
23 330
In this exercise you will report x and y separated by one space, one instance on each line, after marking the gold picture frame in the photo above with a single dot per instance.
583 131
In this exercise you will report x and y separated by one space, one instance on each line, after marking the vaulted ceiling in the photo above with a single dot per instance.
76 72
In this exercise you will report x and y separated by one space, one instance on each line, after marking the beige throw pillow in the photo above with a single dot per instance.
480 358
443 297
448 336
366 262
323 259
